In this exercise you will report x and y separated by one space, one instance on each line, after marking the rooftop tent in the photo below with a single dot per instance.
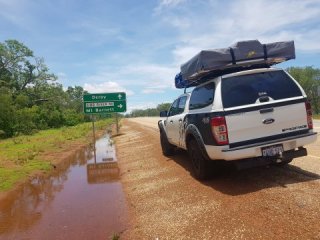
240 56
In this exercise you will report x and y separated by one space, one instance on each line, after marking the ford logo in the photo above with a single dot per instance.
268 121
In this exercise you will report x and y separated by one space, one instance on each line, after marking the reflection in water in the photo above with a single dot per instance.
23 207
38 209
106 168
102 172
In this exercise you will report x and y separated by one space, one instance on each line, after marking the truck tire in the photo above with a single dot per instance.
200 163
167 148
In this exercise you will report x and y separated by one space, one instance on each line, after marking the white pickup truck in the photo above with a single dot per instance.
257 116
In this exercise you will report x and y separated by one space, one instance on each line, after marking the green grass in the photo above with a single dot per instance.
22 156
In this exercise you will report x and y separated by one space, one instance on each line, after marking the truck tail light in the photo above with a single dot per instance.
309 115
219 130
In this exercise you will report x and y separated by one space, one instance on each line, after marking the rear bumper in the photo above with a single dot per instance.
254 150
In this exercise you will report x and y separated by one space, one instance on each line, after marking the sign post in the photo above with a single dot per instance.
117 123
101 103
94 139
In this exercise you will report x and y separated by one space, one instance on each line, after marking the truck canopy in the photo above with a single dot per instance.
240 56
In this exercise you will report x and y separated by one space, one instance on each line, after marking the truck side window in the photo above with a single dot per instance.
174 108
182 104
202 96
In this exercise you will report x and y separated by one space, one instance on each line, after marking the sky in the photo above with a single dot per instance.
138 46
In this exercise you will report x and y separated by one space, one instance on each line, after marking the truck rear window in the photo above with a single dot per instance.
247 89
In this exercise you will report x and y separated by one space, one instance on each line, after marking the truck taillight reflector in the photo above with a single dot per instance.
219 130
309 115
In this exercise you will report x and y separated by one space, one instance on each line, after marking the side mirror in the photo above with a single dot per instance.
163 113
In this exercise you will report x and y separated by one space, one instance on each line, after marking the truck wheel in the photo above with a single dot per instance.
199 163
167 148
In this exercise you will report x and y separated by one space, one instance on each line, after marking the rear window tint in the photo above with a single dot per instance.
202 96
246 89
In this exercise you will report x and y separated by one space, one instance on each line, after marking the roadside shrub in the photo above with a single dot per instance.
26 120
55 119
72 118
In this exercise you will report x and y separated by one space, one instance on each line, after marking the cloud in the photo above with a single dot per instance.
62 79
182 53
265 20
262 16
163 4
150 90
152 75
148 77
106 87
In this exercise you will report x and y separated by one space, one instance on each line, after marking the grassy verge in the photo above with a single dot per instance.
22 156
316 116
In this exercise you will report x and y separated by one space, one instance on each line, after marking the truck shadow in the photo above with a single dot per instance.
231 181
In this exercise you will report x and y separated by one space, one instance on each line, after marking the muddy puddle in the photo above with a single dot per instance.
82 199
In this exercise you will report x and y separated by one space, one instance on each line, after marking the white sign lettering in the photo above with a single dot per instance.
98 97
100 104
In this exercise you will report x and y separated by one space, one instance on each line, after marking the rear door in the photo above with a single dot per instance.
263 106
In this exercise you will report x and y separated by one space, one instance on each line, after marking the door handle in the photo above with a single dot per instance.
266 110
171 121
180 120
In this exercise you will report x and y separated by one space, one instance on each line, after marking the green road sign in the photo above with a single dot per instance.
104 103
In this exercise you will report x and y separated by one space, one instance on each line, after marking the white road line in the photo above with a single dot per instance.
313 156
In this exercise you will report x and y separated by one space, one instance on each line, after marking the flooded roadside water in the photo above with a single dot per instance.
81 199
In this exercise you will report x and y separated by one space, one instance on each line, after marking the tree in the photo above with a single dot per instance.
309 78
12 53
163 107
7 114
30 99
19 68
75 96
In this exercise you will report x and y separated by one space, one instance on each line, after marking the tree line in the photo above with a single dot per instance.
30 97
149 112
309 78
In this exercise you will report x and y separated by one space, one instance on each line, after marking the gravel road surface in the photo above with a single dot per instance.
166 202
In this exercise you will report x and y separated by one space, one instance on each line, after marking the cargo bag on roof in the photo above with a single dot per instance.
240 56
